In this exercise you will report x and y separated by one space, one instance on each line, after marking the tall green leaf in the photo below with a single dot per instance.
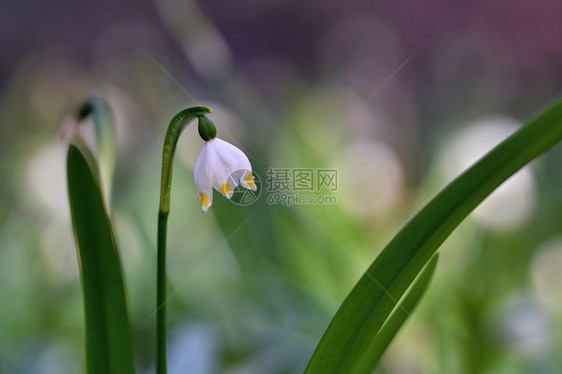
359 319
109 343
398 317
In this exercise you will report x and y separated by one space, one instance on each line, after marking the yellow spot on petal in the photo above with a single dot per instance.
204 200
250 180
226 189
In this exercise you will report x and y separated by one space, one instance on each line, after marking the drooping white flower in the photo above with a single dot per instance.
222 166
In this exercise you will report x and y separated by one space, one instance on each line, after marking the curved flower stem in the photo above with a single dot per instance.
177 125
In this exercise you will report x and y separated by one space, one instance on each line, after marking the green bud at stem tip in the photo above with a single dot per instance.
89 106
85 110
207 129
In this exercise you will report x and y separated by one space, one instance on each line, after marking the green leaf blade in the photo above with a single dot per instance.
109 342
366 308
398 317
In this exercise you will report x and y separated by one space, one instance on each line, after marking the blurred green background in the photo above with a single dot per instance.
398 97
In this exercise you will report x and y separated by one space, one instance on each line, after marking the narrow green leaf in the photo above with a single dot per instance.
398 317
366 308
104 126
109 343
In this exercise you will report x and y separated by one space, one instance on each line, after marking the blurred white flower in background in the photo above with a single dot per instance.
45 182
194 348
546 274
514 202
525 326
370 176
46 197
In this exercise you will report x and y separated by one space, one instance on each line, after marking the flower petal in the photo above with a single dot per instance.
222 166
206 200
235 168
203 176
203 168
247 181
231 155
221 180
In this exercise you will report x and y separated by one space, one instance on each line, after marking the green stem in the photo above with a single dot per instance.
177 125
161 295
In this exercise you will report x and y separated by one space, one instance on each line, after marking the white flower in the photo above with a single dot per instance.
222 166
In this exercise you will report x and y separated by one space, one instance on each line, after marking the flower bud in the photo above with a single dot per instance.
207 129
